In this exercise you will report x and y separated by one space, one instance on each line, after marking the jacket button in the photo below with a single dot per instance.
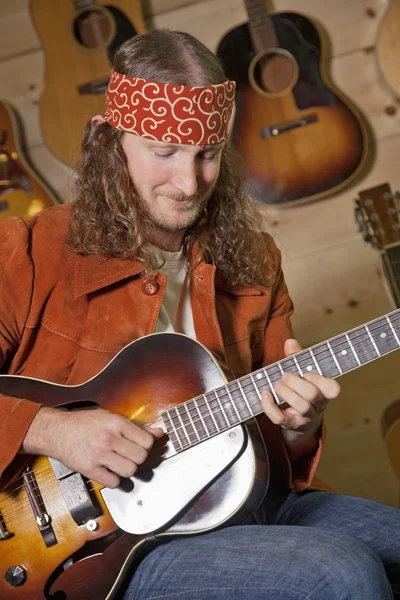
150 288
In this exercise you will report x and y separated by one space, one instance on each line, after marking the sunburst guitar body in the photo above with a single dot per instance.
79 38
22 191
301 138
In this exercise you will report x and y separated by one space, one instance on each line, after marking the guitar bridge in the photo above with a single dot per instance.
285 126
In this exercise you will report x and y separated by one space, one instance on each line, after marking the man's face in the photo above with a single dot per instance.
174 181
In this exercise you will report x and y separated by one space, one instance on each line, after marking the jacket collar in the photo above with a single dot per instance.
93 272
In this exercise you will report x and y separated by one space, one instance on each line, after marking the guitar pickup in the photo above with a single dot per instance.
285 126
80 502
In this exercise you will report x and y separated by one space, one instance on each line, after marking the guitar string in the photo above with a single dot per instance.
3 506
187 422
288 358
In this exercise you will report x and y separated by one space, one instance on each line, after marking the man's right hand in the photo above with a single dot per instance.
94 442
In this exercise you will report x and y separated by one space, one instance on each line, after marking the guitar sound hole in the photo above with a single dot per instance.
275 73
93 28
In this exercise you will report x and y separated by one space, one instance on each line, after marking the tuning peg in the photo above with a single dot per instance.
388 196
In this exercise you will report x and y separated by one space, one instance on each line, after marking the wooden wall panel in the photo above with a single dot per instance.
334 278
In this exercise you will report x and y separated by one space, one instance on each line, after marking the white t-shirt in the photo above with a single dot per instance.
176 311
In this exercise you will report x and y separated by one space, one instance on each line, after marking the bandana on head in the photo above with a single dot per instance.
177 114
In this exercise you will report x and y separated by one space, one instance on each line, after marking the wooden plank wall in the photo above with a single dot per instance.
335 279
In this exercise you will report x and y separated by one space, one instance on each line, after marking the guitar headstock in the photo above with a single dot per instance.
378 215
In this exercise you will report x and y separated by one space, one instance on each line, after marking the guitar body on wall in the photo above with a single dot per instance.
22 192
300 138
388 46
79 39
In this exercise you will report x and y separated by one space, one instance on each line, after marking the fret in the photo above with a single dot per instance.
191 421
384 336
313 355
307 362
298 366
203 421
325 360
362 345
237 398
245 399
271 388
184 442
394 332
197 421
211 414
344 353
290 365
226 407
255 387
353 351
186 423
373 341
172 432
334 358
226 420
395 320
233 403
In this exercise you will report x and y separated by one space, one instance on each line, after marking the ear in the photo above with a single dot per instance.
97 120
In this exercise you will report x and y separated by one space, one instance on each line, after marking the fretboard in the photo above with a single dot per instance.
205 416
260 26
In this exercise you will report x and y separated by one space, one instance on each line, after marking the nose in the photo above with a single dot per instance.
185 178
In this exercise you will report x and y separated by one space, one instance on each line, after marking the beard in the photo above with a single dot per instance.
183 217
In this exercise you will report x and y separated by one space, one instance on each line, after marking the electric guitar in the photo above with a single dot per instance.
388 46
22 192
300 137
378 216
62 536
79 39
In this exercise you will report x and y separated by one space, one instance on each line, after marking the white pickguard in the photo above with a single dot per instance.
154 504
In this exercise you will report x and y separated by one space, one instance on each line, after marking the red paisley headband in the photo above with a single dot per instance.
178 114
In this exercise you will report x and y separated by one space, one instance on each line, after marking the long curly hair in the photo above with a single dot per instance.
106 217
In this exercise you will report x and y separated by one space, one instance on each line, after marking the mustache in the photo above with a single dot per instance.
179 197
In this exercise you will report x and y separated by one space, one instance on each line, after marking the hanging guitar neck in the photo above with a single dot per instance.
378 217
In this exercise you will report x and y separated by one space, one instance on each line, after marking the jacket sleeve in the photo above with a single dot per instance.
278 330
16 282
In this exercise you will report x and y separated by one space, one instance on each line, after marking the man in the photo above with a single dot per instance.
162 237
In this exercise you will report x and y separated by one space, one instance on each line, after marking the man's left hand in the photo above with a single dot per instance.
306 400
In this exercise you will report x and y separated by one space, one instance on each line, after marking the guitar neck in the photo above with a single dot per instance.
260 25
391 261
203 417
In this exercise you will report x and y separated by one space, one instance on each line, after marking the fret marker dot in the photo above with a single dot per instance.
343 352
259 376
309 368
383 335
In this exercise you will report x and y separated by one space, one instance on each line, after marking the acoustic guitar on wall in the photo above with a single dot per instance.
79 38
22 192
378 217
300 138
388 46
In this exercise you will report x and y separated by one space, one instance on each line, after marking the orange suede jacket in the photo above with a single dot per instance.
63 317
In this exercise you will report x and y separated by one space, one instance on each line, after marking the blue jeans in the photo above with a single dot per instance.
322 546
